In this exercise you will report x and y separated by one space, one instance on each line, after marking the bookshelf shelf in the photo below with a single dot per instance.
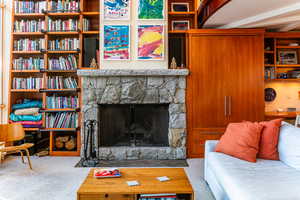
60 90
288 66
29 15
69 14
60 129
25 90
28 33
31 129
90 32
283 80
90 13
182 13
63 33
288 47
61 71
61 110
26 71
62 52
27 52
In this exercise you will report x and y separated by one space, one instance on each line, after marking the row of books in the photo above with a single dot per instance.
26 44
86 24
157 197
64 5
64 44
60 102
27 83
61 120
63 63
270 73
28 63
60 82
29 6
29 25
63 24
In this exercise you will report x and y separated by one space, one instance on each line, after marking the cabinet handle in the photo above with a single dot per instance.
229 105
225 106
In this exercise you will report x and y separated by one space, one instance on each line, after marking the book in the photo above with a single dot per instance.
61 102
60 82
28 6
64 6
65 44
61 120
29 25
26 44
30 63
107 173
27 83
63 25
63 63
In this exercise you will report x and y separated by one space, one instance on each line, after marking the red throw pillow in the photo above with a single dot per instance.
241 140
269 140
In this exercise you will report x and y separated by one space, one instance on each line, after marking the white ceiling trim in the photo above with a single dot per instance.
263 16
274 21
290 27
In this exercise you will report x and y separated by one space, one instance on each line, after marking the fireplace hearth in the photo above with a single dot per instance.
140 114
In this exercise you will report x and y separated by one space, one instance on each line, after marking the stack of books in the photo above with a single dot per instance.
29 25
86 24
26 44
60 82
61 102
270 73
63 63
28 63
63 24
29 6
65 44
157 197
62 120
27 83
63 6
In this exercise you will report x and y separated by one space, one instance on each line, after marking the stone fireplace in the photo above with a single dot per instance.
139 114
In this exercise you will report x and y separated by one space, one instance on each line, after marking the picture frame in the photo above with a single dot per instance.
180 7
143 52
288 57
115 45
180 25
120 10
151 11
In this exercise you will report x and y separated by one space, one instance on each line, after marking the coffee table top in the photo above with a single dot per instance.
178 184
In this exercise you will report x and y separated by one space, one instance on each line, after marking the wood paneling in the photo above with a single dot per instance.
226 82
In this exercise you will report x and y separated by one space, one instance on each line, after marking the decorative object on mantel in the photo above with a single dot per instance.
94 63
173 63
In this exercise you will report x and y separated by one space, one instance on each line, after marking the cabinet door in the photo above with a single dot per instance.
245 84
206 84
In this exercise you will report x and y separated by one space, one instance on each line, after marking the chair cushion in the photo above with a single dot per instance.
269 140
241 140
289 145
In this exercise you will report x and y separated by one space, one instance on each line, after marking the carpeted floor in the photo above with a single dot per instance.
56 178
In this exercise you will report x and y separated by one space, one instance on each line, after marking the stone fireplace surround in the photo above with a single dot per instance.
156 86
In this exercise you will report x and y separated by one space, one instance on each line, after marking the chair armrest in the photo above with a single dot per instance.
210 146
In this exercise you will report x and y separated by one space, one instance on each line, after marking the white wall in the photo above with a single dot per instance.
133 63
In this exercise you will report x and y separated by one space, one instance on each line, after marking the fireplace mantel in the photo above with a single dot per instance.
133 72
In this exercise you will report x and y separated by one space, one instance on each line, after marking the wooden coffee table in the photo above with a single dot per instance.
117 188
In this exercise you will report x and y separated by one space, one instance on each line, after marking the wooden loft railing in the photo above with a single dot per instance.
208 8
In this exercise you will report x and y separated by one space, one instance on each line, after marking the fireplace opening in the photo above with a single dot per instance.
135 125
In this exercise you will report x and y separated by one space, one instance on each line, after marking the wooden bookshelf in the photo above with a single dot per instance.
88 9
274 44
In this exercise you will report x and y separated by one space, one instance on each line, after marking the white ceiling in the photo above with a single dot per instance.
282 15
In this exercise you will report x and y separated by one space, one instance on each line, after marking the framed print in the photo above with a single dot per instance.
288 57
151 42
180 7
116 9
150 9
180 25
116 45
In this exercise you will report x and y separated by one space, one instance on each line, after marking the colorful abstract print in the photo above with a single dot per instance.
116 9
150 42
116 42
151 9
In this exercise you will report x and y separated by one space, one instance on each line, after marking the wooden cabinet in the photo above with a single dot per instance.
226 83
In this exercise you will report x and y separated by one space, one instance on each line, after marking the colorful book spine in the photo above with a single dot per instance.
27 83
60 82
86 24
29 25
26 44
61 120
66 44
61 102
28 63
63 63
27 6
64 6
63 25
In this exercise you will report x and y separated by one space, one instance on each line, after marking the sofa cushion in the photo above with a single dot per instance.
269 140
289 145
241 140
263 180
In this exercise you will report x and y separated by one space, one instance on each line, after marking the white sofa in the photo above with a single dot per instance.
230 178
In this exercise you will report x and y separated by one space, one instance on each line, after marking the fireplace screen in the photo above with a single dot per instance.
143 125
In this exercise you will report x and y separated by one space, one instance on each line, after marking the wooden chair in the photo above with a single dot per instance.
14 132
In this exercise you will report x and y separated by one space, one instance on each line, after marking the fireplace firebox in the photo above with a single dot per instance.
135 125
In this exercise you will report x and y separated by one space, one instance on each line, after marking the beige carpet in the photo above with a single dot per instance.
56 178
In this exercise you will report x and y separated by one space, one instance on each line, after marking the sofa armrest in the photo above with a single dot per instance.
210 146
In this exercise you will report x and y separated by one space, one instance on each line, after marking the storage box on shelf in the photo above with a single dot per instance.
47 42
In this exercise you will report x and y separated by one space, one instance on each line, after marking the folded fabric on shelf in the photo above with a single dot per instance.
18 118
27 111
32 126
27 122
27 103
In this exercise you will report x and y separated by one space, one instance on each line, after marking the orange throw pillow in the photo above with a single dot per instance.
241 140
269 140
